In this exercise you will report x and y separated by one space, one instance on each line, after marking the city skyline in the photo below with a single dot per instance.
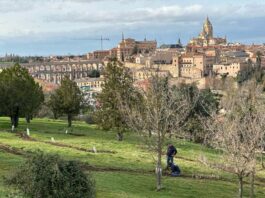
60 27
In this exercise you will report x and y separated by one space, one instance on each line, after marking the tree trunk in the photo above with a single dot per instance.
262 162
159 165
262 150
191 136
120 136
16 120
12 119
150 133
28 119
69 117
16 117
252 184
170 134
240 190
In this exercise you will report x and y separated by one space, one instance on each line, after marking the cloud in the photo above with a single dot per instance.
161 14
55 21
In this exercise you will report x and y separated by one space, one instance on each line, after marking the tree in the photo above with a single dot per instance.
239 132
67 99
49 176
34 102
159 109
94 74
118 82
135 50
20 94
204 102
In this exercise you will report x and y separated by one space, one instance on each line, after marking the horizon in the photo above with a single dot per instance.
63 27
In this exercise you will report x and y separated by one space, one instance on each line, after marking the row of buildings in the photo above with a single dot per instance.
125 49
203 58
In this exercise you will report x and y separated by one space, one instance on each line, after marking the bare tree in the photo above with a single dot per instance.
239 132
159 109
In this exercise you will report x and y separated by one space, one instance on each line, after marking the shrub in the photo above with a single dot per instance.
48 176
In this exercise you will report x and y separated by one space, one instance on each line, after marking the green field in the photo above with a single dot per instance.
128 171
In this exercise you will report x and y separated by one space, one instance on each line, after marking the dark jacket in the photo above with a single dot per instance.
175 168
171 151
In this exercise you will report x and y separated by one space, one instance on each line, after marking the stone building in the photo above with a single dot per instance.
98 55
192 65
146 73
127 47
206 37
229 69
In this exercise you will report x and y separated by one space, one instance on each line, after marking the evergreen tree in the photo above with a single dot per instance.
20 94
67 99
118 83
204 102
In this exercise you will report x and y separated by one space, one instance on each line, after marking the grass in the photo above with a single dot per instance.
131 153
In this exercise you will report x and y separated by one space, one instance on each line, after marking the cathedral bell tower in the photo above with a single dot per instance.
207 32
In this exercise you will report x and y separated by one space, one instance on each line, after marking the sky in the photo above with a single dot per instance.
62 27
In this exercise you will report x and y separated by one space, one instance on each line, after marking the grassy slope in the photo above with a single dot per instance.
130 154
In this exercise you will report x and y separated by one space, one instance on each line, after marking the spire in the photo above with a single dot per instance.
179 42
207 21
122 37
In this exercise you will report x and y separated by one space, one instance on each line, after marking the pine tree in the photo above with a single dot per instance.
67 99
20 94
118 83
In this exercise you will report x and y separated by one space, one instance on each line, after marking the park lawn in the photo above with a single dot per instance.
121 185
126 185
131 154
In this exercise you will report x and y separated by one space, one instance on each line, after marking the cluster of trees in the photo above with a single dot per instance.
239 131
20 95
157 111
154 112
43 175
161 110
254 71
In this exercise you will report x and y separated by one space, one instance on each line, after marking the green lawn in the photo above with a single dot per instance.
131 154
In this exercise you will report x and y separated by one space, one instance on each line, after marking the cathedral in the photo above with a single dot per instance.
206 37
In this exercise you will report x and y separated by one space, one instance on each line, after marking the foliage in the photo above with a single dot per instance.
20 94
67 99
94 74
204 102
240 130
159 110
49 176
118 82
135 50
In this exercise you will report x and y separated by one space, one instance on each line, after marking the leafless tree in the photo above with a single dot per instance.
240 131
158 109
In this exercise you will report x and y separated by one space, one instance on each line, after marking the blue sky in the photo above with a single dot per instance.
50 27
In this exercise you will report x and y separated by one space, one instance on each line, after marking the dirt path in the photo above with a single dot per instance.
87 167
28 138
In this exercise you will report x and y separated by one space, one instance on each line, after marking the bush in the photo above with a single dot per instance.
48 176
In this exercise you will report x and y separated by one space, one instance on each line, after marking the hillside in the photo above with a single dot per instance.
121 169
